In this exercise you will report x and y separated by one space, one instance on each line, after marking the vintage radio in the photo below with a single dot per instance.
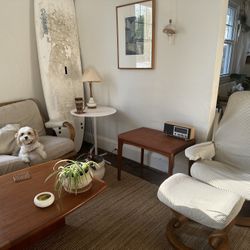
179 130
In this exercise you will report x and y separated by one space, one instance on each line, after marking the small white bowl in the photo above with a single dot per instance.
44 199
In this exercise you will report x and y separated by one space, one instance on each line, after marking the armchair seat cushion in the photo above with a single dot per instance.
55 147
222 176
10 163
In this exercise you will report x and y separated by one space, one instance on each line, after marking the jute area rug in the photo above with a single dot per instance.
128 215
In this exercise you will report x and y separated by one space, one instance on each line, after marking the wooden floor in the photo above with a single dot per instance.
149 174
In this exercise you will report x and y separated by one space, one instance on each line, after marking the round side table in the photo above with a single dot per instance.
99 111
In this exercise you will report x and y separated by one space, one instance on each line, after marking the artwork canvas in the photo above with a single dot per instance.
135 35
134 28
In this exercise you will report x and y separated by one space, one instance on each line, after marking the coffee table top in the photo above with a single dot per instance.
19 217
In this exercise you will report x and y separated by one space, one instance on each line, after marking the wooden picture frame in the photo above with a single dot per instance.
135 35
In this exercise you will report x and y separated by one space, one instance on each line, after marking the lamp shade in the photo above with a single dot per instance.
90 75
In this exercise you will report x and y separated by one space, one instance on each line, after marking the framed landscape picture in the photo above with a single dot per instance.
135 35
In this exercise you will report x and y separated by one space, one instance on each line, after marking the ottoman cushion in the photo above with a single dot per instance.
200 202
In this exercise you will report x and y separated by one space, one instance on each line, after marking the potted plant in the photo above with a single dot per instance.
73 176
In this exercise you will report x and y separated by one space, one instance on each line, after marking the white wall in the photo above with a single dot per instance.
182 87
19 70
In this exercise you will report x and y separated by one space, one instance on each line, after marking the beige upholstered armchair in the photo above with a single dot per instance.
26 113
225 162
220 182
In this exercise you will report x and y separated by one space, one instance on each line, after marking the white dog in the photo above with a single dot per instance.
27 139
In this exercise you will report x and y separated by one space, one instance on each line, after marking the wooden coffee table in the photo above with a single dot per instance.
21 222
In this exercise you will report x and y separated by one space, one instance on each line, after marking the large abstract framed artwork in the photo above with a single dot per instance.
135 35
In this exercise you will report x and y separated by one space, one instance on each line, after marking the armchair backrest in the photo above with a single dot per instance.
232 138
24 113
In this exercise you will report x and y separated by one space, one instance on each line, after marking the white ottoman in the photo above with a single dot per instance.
200 202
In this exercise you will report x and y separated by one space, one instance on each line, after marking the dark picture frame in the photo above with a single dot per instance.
135 35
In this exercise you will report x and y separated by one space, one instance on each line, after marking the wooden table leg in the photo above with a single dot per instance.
119 159
142 158
95 136
170 165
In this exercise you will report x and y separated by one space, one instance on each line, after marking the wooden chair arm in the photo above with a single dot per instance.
71 129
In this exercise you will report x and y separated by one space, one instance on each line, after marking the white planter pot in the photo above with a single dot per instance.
84 184
97 171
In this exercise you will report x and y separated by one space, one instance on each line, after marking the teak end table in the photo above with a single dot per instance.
152 140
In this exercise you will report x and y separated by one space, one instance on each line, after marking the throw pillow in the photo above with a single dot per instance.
7 138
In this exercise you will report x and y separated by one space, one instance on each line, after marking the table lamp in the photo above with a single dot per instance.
90 75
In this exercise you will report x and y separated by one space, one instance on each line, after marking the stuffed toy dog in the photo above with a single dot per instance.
27 139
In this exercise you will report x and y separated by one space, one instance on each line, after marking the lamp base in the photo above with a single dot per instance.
91 104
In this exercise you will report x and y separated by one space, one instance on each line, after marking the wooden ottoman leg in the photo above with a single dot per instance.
218 239
173 224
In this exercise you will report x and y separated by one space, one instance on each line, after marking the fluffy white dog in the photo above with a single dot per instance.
27 139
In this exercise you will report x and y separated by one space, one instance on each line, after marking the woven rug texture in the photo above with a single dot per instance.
128 215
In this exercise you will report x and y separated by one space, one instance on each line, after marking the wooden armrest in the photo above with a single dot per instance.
71 129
